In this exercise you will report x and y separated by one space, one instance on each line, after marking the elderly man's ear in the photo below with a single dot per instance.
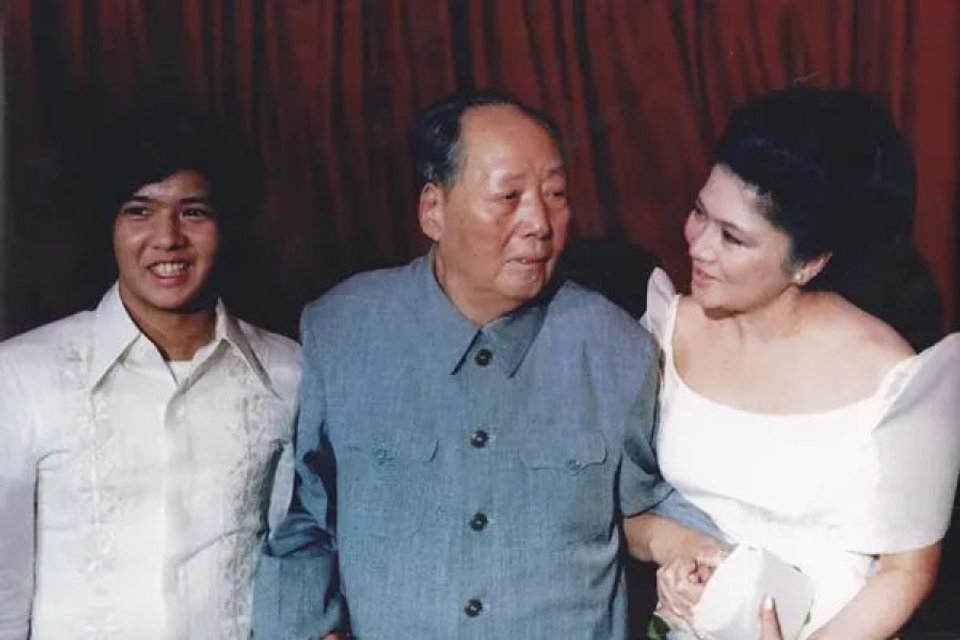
430 211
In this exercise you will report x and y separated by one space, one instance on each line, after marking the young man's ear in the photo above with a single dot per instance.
430 210
809 270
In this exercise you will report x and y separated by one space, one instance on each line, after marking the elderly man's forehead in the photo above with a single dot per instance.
491 116
490 125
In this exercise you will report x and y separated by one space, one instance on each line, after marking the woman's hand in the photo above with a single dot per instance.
769 622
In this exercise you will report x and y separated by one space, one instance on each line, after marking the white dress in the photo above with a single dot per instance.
133 500
825 491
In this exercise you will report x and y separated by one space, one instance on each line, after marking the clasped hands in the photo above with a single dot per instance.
681 582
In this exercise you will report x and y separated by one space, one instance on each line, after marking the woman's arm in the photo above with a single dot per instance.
888 599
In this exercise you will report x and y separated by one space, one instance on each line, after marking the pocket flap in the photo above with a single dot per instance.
568 451
421 447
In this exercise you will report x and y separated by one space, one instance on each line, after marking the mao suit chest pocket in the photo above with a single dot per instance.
384 482
570 482
573 452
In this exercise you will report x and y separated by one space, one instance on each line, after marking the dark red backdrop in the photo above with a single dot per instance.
325 90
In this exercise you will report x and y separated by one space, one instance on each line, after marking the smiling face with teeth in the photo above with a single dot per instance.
166 238
500 227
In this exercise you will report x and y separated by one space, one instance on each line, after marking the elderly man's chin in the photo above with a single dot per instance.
524 283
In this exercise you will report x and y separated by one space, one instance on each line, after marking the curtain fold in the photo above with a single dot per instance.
324 92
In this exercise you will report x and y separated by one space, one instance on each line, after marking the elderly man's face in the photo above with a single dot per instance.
501 227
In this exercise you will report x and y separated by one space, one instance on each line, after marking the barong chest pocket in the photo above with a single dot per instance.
381 479
569 483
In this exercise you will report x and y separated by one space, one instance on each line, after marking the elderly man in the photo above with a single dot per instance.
140 439
471 433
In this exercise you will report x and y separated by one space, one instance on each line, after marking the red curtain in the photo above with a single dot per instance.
325 90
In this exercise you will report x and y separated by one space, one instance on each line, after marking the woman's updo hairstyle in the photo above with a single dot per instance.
835 174
830 166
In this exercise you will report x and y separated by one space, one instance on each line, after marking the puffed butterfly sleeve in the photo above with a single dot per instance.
660 295
908 488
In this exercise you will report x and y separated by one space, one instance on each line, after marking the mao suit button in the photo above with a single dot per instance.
479 522
479 438
473 608
483 357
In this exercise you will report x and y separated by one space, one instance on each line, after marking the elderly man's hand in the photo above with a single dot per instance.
681 582
769 622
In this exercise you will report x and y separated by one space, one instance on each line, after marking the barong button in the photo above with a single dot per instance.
483 357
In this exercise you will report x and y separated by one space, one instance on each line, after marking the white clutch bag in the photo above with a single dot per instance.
729 608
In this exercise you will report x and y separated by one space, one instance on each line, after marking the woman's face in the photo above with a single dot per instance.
740 260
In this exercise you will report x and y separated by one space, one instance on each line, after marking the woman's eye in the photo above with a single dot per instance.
732 239
511 195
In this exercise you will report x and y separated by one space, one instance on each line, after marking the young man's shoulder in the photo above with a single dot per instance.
47 346
286 347
50 337
280 357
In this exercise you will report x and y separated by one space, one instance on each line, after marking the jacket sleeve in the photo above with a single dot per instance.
642 487
296 594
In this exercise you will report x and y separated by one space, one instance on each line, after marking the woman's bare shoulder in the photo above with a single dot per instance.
864 337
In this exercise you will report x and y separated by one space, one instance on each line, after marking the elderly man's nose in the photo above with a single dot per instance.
537 217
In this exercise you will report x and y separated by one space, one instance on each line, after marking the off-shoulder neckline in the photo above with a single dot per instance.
666 344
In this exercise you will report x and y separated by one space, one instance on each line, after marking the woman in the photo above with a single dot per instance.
801 423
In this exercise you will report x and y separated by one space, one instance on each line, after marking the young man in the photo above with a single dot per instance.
141 439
